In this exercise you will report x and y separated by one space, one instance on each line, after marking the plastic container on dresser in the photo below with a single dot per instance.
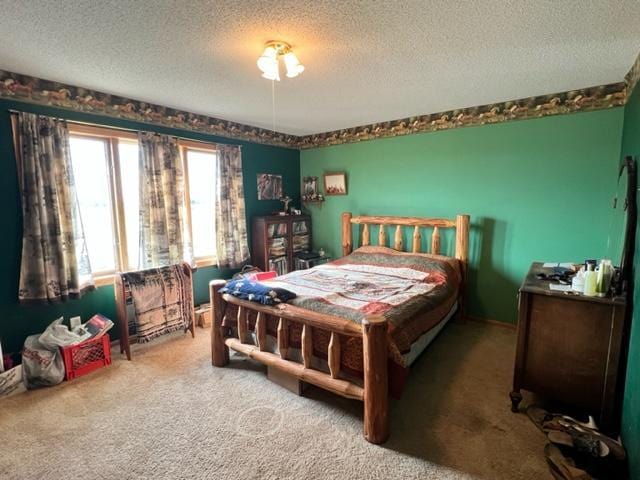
86 357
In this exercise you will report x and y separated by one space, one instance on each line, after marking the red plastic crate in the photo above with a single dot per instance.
86 357
262 276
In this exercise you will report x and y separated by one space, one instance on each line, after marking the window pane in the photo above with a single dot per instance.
202 170
130 178
89 158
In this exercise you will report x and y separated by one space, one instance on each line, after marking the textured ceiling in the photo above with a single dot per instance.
366 61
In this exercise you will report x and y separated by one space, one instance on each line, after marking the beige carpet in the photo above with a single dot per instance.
170 414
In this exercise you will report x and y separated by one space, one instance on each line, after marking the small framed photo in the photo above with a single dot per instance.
309 188
335 183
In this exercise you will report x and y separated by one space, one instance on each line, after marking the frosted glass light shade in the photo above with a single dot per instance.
268 64
293 65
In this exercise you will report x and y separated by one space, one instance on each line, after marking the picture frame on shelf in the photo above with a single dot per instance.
335 183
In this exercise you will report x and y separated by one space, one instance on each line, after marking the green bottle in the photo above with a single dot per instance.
603 280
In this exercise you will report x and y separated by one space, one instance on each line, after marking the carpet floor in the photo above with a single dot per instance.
169 414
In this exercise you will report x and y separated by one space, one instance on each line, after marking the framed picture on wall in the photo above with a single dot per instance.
309 188
335 183
269 186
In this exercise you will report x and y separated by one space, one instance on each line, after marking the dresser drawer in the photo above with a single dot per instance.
566 350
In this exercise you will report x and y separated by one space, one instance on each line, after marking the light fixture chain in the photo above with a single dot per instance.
273 105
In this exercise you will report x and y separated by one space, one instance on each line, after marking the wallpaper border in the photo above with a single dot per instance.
632 78
29 89
15 86
585 99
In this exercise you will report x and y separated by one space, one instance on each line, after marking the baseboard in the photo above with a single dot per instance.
497 323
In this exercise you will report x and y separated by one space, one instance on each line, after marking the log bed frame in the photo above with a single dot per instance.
373 329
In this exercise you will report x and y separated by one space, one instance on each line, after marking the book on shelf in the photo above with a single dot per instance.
277 247
277 230
301 242
299 228
278 265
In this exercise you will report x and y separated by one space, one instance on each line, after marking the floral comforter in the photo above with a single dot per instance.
413 291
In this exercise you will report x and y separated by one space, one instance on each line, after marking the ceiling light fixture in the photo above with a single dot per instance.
268 62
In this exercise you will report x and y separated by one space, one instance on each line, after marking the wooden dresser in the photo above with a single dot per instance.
570 349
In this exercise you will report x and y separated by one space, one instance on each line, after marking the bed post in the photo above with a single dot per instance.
462 254
219 351
347 239
376 381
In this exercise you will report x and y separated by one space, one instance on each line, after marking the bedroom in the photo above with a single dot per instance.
517 114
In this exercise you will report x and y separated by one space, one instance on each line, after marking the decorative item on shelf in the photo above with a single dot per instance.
286 201
269 186
335 183
309 187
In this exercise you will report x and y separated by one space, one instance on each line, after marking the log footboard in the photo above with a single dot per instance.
373 332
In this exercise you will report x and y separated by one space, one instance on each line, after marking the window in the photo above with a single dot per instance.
105 165
130 181
89 157
201 178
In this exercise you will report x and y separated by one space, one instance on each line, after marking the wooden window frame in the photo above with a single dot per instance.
112 137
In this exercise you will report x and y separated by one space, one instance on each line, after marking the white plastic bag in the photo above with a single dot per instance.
58 335
42 363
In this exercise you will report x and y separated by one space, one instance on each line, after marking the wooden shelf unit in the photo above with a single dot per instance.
275 237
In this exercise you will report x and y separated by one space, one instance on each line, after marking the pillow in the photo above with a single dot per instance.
257 292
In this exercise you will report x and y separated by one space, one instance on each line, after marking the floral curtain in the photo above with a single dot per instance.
232 248
163 237
55 263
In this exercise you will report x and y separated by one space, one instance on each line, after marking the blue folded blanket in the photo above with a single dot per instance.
257 292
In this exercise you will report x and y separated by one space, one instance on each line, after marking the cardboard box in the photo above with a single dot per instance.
203 315
11 382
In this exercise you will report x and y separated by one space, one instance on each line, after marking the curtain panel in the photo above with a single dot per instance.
55 262
232 248
163 234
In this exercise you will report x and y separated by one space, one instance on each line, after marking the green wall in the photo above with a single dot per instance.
536 190
631 407
16 321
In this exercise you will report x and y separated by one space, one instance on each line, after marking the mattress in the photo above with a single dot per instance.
421 344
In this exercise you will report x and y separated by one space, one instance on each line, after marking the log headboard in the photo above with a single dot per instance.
460 224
